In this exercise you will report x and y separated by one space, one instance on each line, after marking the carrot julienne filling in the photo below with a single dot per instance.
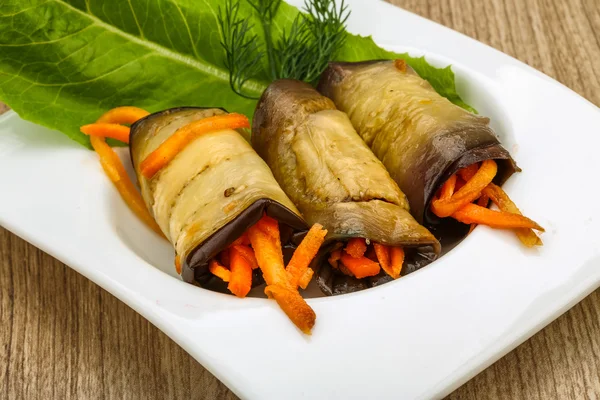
112 165
260 247
362 260
469 203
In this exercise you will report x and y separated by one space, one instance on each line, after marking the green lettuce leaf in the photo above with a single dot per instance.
359 48
65 62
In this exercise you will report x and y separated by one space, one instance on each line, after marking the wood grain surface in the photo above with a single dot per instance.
63 337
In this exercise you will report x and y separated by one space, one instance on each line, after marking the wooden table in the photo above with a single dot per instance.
63 337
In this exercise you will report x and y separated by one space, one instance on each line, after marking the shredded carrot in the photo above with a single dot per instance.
240 282
242 240
113 167
460 182
123 115
360 267
270 260
306 278
334 257
178 264
356 247
219 270
474 214
383 256
448 187
482 201
468 172
114 131
248 254
182 137
304 254
476 188
270 226
268 255
116 172
397 260
469 192
293 305
504 203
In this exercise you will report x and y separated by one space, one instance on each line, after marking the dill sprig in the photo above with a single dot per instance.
302 52
242 54
313 40
267 10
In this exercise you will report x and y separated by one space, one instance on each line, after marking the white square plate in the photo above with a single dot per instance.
418 337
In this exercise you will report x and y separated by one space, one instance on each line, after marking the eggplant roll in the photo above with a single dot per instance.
210 193
335 180
420 136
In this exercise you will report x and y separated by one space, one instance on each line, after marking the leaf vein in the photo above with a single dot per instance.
136 19
47 41
209 69
187 27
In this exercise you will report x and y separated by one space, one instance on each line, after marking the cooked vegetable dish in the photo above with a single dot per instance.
335 180
426 142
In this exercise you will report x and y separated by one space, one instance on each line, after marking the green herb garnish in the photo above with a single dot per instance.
313 40
65 62
301 52
242 55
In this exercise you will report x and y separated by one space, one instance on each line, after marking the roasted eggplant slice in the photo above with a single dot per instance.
335 180
210 193
420 136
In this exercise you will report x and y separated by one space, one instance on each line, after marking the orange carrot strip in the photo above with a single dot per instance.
241 274
448 187
360 267
182 137
468 172
306 278
482 201
504 203
269 256
397 260
356 247
111 163
304 254
219 270
242 240
465 195
294 306
248 254
178 264
269 225
472 213
270 260
123 115
460 182
334 257
114 131
383 256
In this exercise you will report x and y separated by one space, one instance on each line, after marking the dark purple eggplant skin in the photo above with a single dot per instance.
334 180
381 100
195 264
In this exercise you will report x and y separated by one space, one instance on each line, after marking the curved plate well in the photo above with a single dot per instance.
418 337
